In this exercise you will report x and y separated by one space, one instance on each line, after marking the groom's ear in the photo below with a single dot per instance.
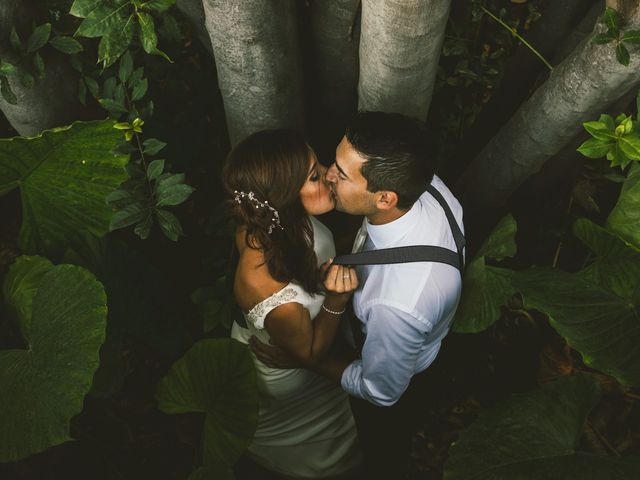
386 200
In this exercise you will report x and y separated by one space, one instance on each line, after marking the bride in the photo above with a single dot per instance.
305 425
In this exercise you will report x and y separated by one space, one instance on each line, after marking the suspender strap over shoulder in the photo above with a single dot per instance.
415 253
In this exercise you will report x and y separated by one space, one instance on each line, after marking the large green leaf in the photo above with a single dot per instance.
21 285
534 436
625 216
159 5
43 387
148 36
617 265
501 242
83 8
485 288
602 326
102 19
217 377
64 175
115 43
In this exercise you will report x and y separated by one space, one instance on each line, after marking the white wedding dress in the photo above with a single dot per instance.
305 425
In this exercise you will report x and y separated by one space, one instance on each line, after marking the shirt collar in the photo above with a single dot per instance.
388 234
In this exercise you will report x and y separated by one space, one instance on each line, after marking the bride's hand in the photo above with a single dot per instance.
340 281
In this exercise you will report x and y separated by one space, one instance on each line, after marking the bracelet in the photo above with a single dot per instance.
332 311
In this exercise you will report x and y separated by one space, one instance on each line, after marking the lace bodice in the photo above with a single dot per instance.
258 313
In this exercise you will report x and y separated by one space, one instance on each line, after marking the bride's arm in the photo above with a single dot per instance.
291 328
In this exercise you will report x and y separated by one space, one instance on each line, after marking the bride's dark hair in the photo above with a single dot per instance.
274 165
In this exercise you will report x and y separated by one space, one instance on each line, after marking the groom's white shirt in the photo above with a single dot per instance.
405 309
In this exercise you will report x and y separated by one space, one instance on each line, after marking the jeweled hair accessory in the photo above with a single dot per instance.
275 219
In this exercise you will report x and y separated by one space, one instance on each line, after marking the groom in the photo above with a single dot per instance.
383 170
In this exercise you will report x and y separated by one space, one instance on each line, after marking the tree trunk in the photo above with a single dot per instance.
584 28
399 50
193 11
520 75
578 90
626 8
332 86
51 102
255 45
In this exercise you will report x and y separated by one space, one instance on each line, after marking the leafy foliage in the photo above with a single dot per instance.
616 139
115 23
30 65
64 176
618 37
535 435
625 216
616 265
485 288
62 314
595 321
139 199
215 377
473 59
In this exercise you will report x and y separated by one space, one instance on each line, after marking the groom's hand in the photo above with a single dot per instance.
272 355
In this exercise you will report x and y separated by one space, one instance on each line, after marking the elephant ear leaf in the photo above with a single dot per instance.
44 386
485 287
617 264
533 436
596 322
64 176
624 219
217 377
21 285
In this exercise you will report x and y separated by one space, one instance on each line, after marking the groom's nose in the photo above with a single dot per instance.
331 174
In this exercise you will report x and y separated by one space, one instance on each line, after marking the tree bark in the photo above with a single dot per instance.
577 91
581 30
399 50
255 45
193 11
332 86
51 102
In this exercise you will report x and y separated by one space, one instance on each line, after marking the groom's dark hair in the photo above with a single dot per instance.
397 154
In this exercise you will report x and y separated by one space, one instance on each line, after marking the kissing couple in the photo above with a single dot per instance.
343 346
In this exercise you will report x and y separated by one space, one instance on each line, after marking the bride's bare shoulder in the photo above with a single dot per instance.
253 282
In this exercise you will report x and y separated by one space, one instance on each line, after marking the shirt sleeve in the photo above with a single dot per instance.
389 356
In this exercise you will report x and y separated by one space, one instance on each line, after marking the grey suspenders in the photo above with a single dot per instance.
414 253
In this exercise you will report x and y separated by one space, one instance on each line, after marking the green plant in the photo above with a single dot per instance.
614 34
216 377
485 287
64 176
29 65
536 435
617 140
116 21
61 313
594 309
139 199
515 33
